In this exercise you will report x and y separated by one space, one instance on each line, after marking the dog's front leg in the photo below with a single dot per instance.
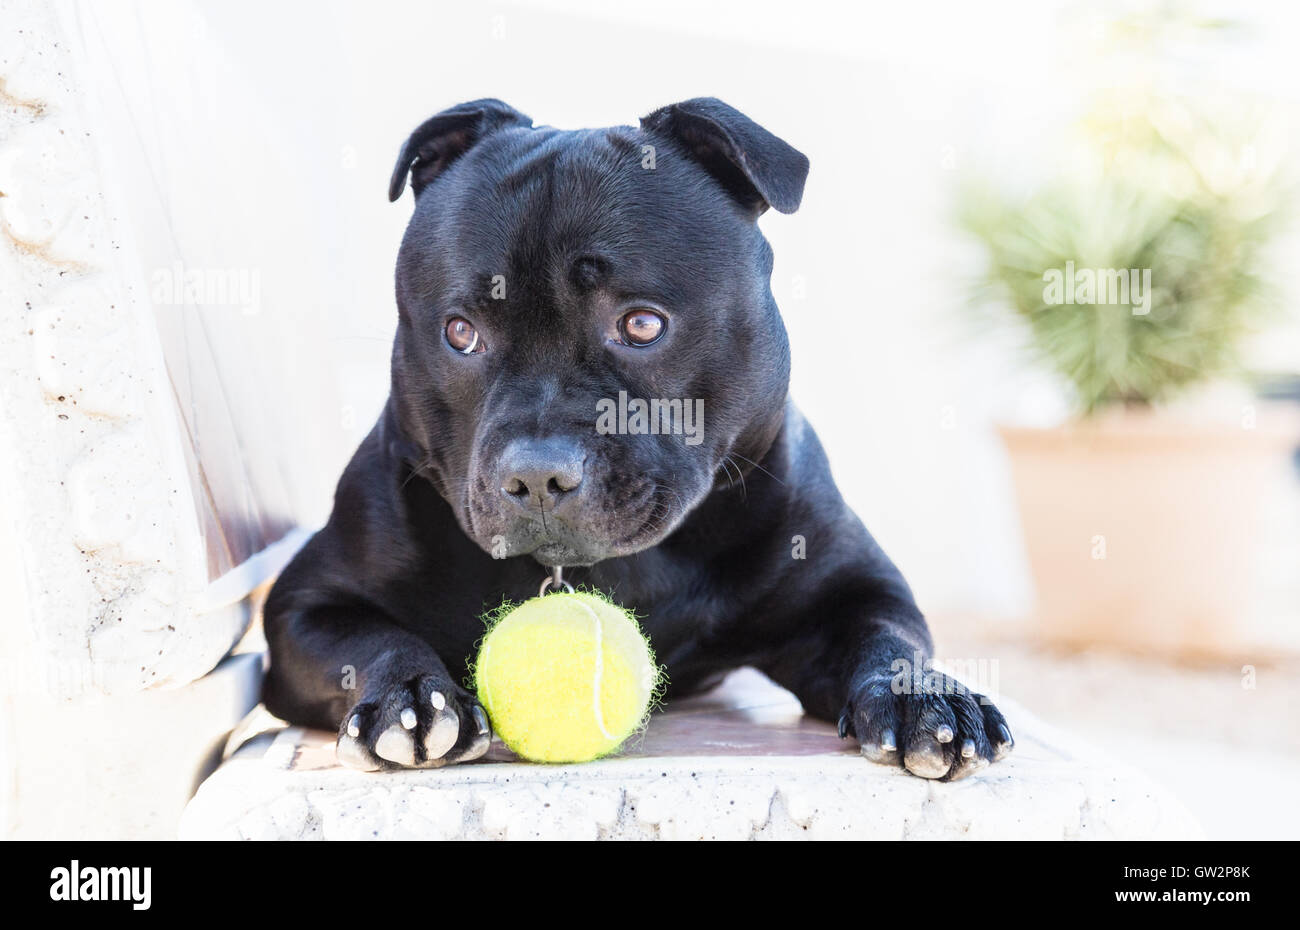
862 661
386 690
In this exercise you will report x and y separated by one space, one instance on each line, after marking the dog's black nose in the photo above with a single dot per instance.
541 470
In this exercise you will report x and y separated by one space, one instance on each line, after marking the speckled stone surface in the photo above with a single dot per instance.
93 473
741 762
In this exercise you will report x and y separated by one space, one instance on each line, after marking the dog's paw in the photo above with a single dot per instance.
934 728
422 723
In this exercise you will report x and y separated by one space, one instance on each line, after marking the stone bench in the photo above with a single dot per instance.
740 762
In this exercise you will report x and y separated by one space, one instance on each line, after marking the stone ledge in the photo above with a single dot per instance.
739 763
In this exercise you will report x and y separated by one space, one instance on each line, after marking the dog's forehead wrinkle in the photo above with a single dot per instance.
568 192
545 203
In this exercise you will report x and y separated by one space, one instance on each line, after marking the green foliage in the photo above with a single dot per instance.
1160 186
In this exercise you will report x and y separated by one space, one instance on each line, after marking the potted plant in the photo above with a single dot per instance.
1136 278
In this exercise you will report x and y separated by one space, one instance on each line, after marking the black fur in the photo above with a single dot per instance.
484 468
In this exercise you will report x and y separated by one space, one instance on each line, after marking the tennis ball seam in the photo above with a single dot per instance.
598 674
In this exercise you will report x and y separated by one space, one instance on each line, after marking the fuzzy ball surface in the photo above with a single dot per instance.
566 677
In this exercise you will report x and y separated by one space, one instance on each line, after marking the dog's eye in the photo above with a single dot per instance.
463 337
640 327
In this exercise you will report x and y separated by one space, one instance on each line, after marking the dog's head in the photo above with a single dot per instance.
587 340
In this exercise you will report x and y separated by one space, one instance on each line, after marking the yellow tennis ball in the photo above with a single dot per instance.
565 677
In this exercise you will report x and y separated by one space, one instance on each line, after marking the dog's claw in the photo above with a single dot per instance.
967 748
438 700
1005 734
482 740
409 720
944 734
354 726
887 742
844 725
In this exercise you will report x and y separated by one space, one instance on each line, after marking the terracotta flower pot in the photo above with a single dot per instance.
1142 530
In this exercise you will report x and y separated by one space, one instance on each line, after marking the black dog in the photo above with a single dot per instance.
545 277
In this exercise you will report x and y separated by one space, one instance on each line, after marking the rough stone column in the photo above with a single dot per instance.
91 447
143 485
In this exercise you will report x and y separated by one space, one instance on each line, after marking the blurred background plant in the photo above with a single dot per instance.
1162 173
1187 185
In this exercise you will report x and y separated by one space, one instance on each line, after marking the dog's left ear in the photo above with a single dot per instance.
755 166
443 138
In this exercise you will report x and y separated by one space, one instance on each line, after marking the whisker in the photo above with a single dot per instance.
759 467
727 466
744 491
657 521
415 470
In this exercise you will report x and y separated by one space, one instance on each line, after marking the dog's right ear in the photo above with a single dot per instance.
441 139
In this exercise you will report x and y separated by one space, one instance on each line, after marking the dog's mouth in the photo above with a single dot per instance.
597 534
553 554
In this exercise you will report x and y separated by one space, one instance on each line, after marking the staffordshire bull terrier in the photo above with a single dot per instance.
562 296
